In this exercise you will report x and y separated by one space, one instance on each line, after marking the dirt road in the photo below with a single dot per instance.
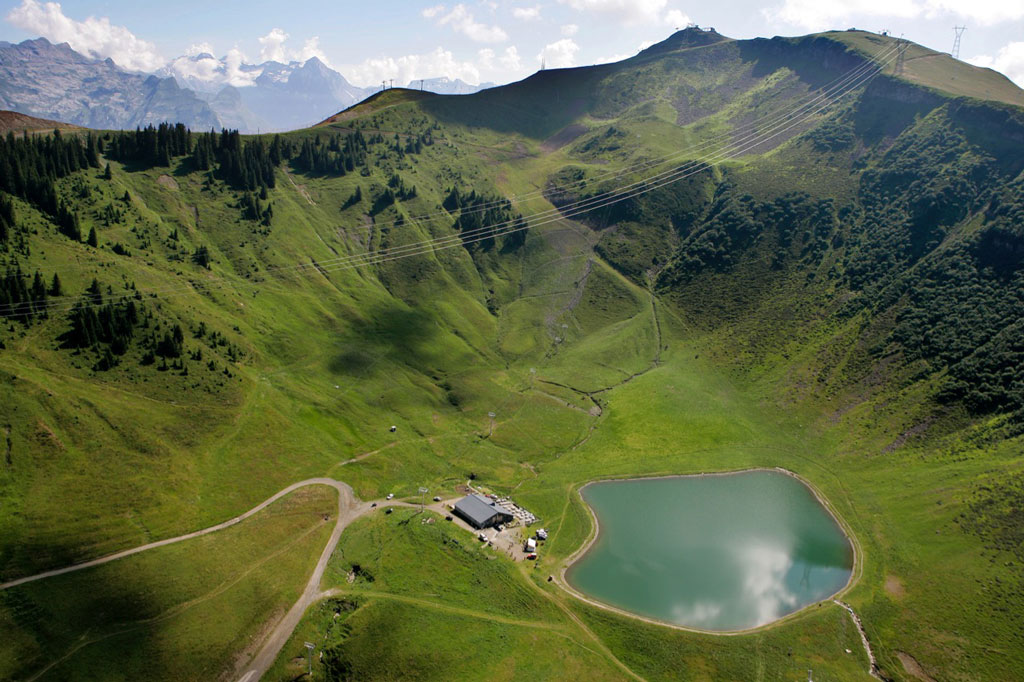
349 509
342 489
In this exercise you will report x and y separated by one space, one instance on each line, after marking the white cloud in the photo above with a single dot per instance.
527 13
272 46
200 69
1008 61
432 12
485 57
94 37
619 57
676 18
629 11
560 54
462 21
826 14
199 48
986 12
489 65
311 48
226 71
569 30
612 58
411 67
233 73
510 61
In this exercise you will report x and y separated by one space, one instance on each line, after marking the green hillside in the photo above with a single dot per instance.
711 256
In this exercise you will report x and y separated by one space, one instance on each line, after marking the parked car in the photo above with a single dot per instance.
390 496
437 498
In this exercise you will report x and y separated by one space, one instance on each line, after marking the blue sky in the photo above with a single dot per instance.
484 40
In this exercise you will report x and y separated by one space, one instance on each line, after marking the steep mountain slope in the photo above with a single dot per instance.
53 81
828 281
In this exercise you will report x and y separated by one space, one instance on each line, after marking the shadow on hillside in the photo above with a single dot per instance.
537 107
96 607
391 331
816 60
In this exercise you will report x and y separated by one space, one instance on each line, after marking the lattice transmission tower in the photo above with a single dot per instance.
956 41
901 46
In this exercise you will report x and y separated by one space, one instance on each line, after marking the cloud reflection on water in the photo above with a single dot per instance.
764 570
702 614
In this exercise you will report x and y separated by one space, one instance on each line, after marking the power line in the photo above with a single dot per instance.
507 227
610 175
857 77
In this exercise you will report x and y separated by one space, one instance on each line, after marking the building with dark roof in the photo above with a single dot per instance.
481 512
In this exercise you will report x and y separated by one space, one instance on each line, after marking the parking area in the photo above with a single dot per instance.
507 538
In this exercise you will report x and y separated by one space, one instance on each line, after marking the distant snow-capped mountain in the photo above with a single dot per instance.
447 86
51 81
295 95
270 96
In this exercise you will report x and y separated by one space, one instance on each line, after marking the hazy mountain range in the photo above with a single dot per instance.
53 81
447 86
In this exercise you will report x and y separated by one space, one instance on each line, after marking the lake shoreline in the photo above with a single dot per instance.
576 556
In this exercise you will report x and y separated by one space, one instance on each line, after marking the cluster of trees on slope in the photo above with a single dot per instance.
736 222
32 165
957 293
108 325
478 212
29 165
29 168
21 300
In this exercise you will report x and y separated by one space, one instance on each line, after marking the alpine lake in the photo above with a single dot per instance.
717 552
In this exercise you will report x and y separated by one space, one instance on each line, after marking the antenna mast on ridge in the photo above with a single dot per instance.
956 41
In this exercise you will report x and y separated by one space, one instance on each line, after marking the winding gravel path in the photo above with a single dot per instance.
342 488
350 508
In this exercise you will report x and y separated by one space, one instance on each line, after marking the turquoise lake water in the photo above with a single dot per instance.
717 552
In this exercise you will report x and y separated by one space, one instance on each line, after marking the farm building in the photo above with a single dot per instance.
480 512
